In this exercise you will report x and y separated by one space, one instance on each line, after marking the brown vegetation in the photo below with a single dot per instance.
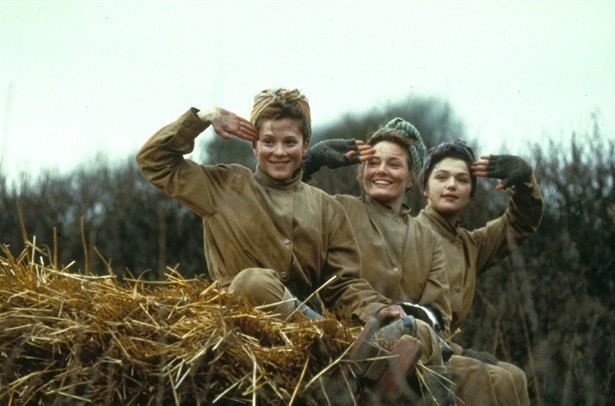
70 337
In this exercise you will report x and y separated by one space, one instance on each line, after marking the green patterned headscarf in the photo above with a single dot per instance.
416 148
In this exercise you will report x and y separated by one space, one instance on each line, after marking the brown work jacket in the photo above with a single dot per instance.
251 220
470 252
400 258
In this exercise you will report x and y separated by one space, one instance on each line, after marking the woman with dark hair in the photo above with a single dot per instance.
448 179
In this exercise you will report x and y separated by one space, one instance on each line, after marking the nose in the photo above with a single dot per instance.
451 183
382 167
278 149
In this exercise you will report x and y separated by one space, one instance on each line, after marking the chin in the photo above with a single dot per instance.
280 175
382 197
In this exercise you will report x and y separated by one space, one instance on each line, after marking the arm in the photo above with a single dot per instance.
335 153
348 295
436 292
523 214
162 163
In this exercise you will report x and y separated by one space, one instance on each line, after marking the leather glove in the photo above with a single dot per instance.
510 168
330 153
480 355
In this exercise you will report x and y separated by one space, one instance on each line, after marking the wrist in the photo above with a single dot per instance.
311 162
207 116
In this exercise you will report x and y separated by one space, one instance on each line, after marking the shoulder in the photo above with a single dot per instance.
423 220
472 237
231 169
349 201
330 206
231 174
422 229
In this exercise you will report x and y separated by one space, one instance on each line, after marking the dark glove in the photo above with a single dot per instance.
510 168
480 355
330 153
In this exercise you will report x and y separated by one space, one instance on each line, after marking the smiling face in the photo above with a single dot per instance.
385 177
280 147
448 187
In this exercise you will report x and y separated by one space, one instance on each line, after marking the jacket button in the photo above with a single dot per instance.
187 124
396 269
286 241
284 275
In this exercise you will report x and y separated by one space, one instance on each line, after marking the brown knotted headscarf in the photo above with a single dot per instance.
282 103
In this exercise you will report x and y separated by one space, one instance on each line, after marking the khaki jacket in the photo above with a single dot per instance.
470 252
400 258
250 220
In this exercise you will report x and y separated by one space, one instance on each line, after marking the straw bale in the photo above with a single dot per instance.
76 338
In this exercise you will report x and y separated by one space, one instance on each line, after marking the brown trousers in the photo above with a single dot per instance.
477 383
262 286
480 383
503 376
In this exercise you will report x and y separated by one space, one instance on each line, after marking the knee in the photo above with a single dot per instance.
431 345
258 285
518 375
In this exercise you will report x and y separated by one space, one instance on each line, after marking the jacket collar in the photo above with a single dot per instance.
443 226
384 209
268 181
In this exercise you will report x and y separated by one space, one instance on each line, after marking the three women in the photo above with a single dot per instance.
273 239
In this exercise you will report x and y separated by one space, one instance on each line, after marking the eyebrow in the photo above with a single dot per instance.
450 172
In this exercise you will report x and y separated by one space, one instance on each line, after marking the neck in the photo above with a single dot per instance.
451 218
394 206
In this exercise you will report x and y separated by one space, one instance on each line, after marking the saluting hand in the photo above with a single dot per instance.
228 124
511 169
336 153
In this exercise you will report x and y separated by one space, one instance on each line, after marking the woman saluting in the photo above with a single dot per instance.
448 179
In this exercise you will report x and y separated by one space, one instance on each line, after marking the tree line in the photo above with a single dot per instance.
548 308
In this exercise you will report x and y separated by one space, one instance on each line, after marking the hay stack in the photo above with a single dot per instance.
73 338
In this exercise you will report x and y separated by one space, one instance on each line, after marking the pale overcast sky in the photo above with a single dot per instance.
77 77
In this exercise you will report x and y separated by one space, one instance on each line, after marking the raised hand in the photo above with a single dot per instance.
511 169
336 153
228 124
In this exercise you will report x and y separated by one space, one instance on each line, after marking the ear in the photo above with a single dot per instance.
254 148
306 147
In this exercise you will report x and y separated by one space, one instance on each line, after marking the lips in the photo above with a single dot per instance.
381 182
279 163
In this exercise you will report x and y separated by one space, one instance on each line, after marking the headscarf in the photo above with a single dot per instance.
291 101
416 148
457 149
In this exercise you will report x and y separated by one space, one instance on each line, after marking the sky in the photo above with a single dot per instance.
81 78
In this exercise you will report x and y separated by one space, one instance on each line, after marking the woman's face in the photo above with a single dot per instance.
449 186
385 177
280 147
